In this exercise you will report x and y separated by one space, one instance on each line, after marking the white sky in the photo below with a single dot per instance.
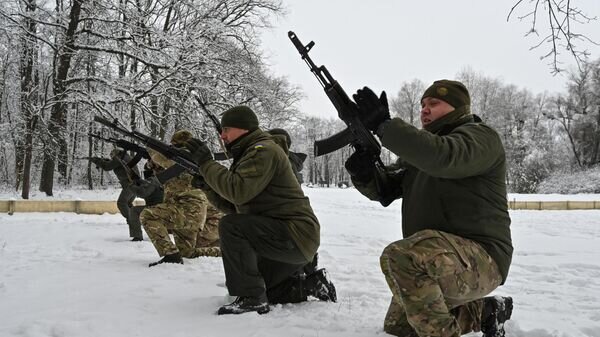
384 43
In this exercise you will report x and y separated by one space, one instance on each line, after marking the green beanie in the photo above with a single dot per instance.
241 117
279 131
452 92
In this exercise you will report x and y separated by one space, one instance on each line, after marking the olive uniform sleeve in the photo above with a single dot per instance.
108 164
394 175
246 180
220 203
469 150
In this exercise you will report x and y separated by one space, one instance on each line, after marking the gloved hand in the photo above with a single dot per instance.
373 110
142 188
360 166
200 153
199 182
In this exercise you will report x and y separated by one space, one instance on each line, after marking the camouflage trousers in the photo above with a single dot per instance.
207 242
184 217
437 281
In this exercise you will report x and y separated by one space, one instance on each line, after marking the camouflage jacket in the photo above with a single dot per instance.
178 188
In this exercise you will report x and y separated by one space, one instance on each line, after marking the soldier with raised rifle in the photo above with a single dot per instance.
124 167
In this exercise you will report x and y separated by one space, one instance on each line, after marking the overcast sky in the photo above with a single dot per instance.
383 43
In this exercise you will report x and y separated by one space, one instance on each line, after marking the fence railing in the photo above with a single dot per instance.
73 206
553 205
106 206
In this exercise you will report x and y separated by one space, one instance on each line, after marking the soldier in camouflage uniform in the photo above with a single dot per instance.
126 171
456 227
183 210
207 242
269 232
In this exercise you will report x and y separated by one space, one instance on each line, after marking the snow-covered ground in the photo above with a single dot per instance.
111 192
64 275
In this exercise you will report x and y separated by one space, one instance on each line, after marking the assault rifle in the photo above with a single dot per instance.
122 143
170 152
355 134
219 155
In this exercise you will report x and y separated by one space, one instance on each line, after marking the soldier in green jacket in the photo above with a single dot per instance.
126 171
455 223
269 232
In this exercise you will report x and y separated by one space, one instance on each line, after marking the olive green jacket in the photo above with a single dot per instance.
454 181
118 165
261 182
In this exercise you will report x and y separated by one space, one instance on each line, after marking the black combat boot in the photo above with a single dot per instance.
136 239
311 267
171 258
318 285
244 304
496 311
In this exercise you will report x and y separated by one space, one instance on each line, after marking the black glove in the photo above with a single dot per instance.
373 110
200 153
199 182
142 188
360 166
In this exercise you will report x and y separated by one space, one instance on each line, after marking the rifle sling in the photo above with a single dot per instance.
170 173
136 159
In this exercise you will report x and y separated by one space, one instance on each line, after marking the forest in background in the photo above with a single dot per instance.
160 65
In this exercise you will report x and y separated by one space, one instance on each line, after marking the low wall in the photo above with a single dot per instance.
101 207
554 205
74 206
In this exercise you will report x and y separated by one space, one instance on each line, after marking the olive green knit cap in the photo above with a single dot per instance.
452 92
241 117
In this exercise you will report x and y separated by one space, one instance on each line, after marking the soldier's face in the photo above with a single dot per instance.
231 134
433 109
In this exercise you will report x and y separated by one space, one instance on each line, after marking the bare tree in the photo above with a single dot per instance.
561 33
407 103
29 93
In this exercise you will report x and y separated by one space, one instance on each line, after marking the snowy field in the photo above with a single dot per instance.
67 275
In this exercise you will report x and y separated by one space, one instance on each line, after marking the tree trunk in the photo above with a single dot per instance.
90 154
28 102
57 145
74 141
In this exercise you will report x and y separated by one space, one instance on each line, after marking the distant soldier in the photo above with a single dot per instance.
183 210
296 158
126 171
148 189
